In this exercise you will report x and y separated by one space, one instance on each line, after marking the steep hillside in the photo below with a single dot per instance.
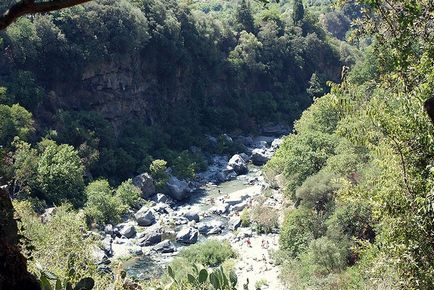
118 75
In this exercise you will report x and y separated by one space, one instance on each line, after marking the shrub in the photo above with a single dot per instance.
317 191
187 164
353 220
60 174
158 172
129 194
265 218
301 156
14 121
328 256
58 244
102 205
299 228
209 253
245 217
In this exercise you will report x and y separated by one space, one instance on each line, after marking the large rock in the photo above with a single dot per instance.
276 143
210 227
145 217
191 216
48 214
234 223
162 208
187 235
225 175
260 156
178 189
161 198
165 246
151 238
238 207
220 208
146 184
106 245
238 164
135 250
236 199
108 229
127 230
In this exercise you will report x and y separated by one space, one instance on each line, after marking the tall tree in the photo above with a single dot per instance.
297 11
244 17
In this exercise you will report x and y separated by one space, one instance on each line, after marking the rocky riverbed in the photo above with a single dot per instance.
208 207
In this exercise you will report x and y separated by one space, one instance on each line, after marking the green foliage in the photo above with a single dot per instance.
102 205
60 174
45 277
300 227
59 244
129 194
301 156
244 17
318 191
14 121
159 174
352 219
187 164
209 253
201 278
297 11
25 90
323 259
25 166
264 218
315 88
245 217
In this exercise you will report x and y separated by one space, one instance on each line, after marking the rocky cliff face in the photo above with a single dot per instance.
127 88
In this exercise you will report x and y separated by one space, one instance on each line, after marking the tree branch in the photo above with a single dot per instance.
31 7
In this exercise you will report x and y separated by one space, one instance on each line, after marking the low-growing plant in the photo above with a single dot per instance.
201 278
47 280
265 218
59 244
260 283
209 253
245 217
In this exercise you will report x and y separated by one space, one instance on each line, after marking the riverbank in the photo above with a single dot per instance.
154 235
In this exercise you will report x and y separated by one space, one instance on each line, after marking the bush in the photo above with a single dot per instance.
319 267
328 256
14 121
58 244
158 172
265 218
209 253
60 174
102 205
352 219
301 156
129 194
187 164
317 191
245 217
299 228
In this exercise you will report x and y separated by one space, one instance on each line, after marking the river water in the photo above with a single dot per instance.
153 265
